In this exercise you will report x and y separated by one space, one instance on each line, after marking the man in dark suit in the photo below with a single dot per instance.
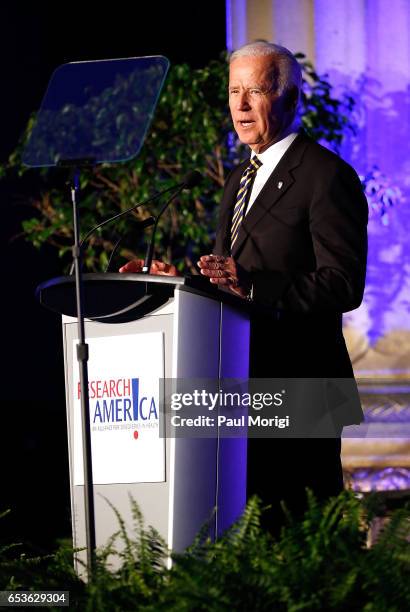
292 239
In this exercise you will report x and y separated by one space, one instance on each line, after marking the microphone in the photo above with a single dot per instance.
178 187
192 179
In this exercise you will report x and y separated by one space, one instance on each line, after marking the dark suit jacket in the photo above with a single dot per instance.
304 244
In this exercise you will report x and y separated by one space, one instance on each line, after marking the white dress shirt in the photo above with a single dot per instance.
270 159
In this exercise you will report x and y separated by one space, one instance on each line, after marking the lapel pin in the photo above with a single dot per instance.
280 184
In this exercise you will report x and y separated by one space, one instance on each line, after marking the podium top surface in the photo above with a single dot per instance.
119 298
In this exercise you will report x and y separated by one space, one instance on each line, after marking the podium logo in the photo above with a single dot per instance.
119 400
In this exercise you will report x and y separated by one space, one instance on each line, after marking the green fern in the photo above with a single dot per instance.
319 562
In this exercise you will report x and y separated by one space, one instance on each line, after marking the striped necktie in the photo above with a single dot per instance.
241 198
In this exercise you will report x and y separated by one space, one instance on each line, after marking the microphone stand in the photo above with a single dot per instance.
82 358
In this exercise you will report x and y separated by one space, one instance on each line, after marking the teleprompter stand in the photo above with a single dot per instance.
93 112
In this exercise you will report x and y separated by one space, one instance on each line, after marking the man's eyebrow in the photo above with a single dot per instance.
252 86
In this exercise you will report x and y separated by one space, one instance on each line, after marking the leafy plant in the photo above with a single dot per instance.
381 194
191 129
320 562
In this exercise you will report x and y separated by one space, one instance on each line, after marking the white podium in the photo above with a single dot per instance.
187 329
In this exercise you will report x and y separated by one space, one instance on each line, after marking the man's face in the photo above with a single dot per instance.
259 114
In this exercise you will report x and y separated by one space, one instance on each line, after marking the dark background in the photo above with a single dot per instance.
34 40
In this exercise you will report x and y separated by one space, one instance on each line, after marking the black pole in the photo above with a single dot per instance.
82 357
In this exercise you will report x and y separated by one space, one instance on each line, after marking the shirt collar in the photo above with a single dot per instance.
271 154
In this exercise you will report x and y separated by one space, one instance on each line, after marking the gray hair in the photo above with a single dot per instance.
289 73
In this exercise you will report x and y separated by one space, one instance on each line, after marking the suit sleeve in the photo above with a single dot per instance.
338 217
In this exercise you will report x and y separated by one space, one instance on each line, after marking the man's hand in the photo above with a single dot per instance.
157 267
224 271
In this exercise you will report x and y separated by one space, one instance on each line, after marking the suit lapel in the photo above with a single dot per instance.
274 189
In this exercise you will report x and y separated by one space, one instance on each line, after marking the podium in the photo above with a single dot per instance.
140 327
